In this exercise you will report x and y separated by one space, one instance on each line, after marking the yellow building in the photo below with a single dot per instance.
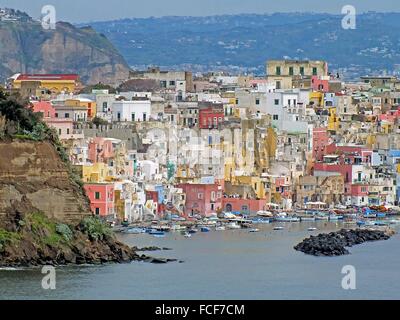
316 98
95 173
55 83
283 72
333 120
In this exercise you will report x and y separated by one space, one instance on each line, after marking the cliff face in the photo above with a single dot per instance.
34 179
25 47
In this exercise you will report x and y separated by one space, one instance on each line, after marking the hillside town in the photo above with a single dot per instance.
175 144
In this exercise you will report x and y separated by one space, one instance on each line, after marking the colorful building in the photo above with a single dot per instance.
101 196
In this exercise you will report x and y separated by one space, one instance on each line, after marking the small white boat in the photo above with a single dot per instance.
233 225
312 229
310 218
220 228
254 230
278 228
187 235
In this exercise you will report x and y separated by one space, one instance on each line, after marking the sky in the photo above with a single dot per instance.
76 11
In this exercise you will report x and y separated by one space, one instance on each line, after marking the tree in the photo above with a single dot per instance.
14 109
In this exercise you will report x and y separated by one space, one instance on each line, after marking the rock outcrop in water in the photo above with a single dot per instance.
335 243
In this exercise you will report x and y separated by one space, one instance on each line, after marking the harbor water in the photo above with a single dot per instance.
231 264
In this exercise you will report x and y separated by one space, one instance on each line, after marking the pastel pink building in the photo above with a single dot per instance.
320 141
101 196
244 206
203 199
320 83
100 150
45 108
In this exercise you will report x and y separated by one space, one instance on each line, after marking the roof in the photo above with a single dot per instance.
73 77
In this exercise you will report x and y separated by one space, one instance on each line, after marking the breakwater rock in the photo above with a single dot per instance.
335 243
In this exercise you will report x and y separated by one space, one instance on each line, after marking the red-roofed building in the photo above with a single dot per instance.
55 83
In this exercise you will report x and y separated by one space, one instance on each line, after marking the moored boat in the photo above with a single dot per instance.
205 229
279 228
254 230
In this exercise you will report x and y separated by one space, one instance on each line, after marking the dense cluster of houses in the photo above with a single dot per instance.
174 143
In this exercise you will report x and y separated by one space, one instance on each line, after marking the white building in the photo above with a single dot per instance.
136 110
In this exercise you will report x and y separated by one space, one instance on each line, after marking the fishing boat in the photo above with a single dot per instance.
312 229
177 227
322 217
192 230
187 235
205 229
279 228
254 230
157 233
220 228
307 218
134 230
163 228
287 219
233 225
261 220
267 214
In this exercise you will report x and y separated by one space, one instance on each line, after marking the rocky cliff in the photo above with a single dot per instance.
25 47
34 179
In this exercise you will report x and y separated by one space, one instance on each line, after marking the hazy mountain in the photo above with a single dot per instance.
28 48
247 41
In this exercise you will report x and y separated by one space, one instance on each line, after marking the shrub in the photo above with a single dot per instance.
95 228
65 231
7 237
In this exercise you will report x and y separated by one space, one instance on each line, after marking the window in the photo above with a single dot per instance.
276 102
105 106
275 117
278 71
302 71
59 132
237 101
56 115
314 71
291 71
172 83
67 115
133 116
97 211
144 117
278 85
257 101
67 130
200 195
97 195
212 195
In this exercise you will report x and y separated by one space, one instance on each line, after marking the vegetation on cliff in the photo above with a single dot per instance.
36 240
19 121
